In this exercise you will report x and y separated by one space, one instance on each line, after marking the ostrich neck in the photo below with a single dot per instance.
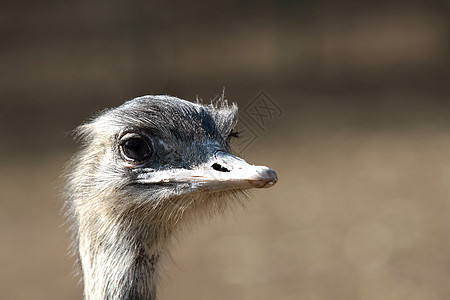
119 263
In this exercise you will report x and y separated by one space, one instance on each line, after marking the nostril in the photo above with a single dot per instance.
219 168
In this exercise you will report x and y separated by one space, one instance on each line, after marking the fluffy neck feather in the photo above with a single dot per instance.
120 245
118 260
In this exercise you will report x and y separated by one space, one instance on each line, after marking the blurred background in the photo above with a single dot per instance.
361 145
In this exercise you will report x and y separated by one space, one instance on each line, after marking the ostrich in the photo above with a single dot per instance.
145 169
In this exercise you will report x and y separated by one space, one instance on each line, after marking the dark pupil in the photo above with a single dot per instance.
136 148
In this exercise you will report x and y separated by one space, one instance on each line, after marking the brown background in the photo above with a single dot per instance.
362 207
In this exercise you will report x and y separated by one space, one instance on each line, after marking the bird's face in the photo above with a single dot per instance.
157 148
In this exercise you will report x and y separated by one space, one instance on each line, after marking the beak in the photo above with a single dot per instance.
223 172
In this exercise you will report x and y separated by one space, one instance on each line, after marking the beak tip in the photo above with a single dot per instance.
267 178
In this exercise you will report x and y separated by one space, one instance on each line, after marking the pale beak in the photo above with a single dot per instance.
223 172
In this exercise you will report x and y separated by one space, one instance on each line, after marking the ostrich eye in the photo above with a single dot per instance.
136 148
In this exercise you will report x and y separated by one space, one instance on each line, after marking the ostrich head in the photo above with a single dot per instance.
144 169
